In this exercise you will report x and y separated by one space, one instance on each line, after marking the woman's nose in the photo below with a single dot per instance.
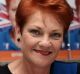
45 43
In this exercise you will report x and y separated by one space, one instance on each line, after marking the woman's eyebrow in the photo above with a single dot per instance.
57 30
37 27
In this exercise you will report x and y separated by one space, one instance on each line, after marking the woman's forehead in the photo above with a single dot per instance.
44 20
14 2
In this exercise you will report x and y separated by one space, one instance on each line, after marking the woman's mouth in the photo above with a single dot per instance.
43 52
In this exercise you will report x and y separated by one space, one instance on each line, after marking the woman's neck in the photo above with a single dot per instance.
33 69
23 67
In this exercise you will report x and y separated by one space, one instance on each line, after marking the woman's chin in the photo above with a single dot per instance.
41 63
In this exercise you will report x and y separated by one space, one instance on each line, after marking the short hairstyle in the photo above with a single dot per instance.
60 8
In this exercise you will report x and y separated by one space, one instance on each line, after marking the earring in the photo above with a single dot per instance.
18 39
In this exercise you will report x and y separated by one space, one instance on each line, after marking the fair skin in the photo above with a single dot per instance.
12 10
78 11
40 43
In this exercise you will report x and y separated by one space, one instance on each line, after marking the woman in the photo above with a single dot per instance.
41 25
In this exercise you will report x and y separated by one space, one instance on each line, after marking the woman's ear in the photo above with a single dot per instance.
17 36
17 32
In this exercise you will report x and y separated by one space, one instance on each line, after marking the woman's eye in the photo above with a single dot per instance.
35 32
14 9
56 36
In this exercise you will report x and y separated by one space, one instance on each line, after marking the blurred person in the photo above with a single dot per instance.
77 2
41 27
72 42
78 13
74 29
7 33
12 7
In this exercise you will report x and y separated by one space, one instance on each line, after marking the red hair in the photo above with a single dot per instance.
60 8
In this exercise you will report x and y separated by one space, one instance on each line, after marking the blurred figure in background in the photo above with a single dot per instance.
7 32
12 7
78 9
72 41
73 33
78 14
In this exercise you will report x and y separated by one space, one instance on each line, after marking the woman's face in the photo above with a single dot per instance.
12 10
41 39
